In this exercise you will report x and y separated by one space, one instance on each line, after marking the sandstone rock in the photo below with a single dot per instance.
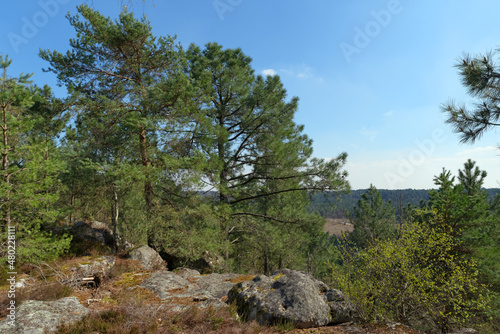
166 283
97 268
38 317
186 272
206 263
291 296
148 257
211 262
217 285
186 288
341 308
93 231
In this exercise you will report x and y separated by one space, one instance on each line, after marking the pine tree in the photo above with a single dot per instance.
30 167
258 160
121 76
373 219
481 76
248 134
458 206
134 107
471 178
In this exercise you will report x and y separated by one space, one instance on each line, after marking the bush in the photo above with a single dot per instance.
416 280
33 246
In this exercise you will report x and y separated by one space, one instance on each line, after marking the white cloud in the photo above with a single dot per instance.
303 72
389 113
269 72
287 72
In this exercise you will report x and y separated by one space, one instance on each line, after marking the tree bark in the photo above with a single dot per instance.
224 171
114 218
5 164
148 186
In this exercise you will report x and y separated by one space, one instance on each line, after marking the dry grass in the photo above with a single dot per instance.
337 227
157 320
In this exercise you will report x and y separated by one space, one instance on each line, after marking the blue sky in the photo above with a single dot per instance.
370 75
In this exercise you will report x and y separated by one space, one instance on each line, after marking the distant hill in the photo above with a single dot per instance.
327 205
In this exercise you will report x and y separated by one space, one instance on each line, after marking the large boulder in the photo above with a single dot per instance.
38 317
148 257
96 268
293 297
93 231
206 263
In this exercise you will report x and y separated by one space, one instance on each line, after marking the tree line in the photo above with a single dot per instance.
331 205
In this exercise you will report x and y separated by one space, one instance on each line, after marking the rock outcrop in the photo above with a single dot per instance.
186 288
293 297
96 268
148 257
38 317
286 296
93 231
206 263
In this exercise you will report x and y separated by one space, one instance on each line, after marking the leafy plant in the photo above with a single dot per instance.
416 279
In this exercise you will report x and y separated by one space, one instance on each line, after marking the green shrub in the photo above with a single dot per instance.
416 280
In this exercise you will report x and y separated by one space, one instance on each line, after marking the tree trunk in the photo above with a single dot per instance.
71 218
148 186
6 176
223 198
266 263
114 219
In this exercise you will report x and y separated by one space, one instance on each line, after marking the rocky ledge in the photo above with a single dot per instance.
287 295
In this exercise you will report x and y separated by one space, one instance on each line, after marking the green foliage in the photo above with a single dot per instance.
373 219
134 102
258 160
480 227
459 210
480 77
190 233
415 279
30 167
471 177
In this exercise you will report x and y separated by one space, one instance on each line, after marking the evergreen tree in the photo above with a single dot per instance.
258 160
460 209
30 167
122 78
458 206
481 76
373 219
471 178
134 107
248 134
